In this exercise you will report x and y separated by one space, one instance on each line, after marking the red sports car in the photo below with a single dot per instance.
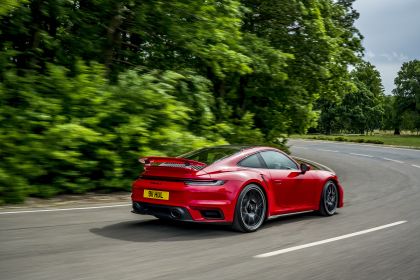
238 185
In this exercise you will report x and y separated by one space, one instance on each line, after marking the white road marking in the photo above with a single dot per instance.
290 249
326 150
361 155
300 147
64 209
394 160
415 165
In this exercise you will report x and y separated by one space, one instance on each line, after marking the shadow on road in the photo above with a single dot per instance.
160 230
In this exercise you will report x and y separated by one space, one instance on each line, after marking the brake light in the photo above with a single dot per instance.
204 182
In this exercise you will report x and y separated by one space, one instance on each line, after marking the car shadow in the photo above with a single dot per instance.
156 230
161 230
293 218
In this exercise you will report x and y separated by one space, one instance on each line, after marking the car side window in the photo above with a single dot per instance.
276 160
251 161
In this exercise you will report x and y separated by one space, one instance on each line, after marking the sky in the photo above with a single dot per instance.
391 30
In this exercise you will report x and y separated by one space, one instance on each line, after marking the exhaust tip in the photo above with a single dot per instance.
137 207
176 214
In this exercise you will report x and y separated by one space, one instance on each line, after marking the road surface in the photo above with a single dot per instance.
382 187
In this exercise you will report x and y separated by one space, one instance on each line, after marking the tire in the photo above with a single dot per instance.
329 199
250 210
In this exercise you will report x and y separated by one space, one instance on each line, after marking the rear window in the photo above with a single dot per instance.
211 155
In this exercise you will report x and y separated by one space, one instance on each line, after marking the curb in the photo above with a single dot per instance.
315 163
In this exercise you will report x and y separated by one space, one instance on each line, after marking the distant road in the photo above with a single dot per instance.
367 239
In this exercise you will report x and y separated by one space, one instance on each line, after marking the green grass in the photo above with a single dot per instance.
387 139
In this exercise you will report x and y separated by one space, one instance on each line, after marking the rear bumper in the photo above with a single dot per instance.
162 211
208 204
204 212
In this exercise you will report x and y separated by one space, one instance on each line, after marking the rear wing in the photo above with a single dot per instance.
172 162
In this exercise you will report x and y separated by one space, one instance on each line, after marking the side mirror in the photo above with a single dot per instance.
304 167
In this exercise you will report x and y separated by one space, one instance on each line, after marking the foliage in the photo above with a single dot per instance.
86 87
407 97
62 134
317 42
388 122
361 109
9 5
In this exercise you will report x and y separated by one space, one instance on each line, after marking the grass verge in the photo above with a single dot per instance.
387 139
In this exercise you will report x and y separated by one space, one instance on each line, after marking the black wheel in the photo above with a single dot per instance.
250 209
329 199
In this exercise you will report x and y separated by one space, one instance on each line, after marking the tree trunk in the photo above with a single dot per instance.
241 97
397 131
113 38
328 129
29 59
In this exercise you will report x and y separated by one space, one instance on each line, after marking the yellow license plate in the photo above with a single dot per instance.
156 194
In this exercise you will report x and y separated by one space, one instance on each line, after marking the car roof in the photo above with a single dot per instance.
232 146
242 152
240 148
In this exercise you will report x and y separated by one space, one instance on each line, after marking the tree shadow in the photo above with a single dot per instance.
168 231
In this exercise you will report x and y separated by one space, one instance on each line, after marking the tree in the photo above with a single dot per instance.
86 87
407 94
61 134
316 41
329 120
362 107
361 111
389 113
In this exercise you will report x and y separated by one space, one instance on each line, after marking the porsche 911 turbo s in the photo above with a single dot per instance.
239 185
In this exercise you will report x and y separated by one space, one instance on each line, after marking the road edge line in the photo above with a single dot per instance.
312 244
315 163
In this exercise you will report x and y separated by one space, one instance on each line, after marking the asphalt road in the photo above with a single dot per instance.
382 186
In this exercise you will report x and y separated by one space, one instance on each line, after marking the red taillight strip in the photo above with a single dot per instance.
204 182
189 182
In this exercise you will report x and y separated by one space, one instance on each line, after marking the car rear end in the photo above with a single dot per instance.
180 189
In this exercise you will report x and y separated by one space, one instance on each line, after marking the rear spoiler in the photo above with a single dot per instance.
172 162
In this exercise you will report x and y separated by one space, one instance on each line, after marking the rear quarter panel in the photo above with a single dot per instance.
238 178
